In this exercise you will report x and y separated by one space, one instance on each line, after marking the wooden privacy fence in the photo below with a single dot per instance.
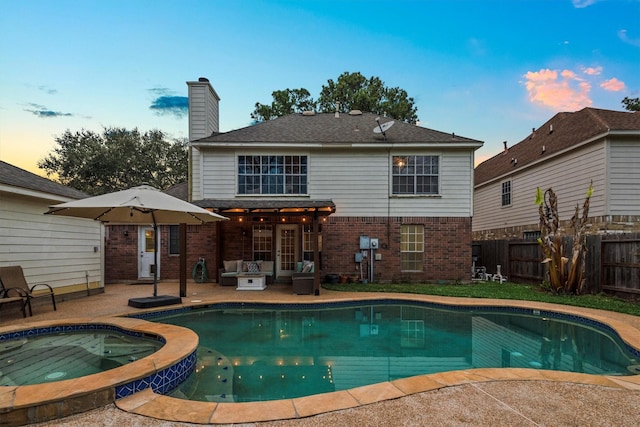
612 262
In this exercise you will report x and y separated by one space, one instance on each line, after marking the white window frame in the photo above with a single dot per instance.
411 244
404 166
272 170
506 193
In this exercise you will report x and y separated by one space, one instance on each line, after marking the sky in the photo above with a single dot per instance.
484 69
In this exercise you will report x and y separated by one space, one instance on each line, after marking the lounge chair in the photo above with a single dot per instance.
23 298
13 282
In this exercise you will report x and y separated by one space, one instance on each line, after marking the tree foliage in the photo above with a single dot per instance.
566 275
351 91
116 160
631 104
287 101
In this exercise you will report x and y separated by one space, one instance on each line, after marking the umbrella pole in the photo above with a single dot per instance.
155 256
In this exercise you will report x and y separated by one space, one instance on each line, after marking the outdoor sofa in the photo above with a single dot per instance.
228 275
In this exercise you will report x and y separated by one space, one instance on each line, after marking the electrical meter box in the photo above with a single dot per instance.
364 242
358 257
374 243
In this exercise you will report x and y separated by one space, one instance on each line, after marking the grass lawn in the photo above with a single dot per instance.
496 290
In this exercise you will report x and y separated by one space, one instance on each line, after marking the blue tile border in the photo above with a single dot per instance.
88 327
162 382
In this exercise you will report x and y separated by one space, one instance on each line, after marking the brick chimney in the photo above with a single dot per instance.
204 117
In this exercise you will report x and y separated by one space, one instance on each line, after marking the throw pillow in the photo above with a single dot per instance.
252 267
240 266
308 266
230 266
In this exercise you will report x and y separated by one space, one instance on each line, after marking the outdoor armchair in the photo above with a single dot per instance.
13 282
22 298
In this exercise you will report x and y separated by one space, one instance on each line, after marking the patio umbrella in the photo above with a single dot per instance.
138 205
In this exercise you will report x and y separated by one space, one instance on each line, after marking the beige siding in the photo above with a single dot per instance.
219 174
196 174
569 176
51 249
624 178
203 110
357 182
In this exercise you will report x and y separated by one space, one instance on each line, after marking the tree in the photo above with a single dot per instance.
565 275
631 104
351 91
285 102
116 160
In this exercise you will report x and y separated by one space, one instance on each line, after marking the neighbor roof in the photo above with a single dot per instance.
327 128
179 191
561 132
14 176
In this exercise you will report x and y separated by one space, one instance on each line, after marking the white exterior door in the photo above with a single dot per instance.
286 249
146 249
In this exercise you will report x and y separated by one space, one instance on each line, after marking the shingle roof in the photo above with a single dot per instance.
561 132
14 176
179 191
326 128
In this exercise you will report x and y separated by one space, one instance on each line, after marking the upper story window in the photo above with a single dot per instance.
506 193
415 174
272 174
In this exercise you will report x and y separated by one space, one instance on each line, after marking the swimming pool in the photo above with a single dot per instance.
258 352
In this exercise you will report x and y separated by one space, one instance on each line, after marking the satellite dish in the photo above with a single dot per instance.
383 127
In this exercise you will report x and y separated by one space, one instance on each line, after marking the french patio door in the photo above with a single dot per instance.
287 246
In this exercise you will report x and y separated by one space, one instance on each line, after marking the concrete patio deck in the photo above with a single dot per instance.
486 397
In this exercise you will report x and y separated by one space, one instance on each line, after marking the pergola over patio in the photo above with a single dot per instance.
259 209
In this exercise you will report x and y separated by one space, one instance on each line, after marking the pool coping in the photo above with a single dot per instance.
150 404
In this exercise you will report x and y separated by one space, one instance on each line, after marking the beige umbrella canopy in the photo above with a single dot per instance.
138 205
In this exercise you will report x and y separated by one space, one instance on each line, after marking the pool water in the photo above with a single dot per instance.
62 356
263 352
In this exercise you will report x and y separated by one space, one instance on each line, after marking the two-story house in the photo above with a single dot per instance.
567 153
361 195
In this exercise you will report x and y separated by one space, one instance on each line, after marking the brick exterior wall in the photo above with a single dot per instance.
596 225
121 252
447 255
447 247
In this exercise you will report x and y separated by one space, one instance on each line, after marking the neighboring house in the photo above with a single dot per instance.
566 154
408 190
63 252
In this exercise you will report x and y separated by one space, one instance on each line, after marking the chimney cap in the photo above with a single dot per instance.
203 80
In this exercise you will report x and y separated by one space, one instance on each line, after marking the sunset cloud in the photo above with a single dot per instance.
593 71
579 4
613 85
44 112
167 103
622 34
562 90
